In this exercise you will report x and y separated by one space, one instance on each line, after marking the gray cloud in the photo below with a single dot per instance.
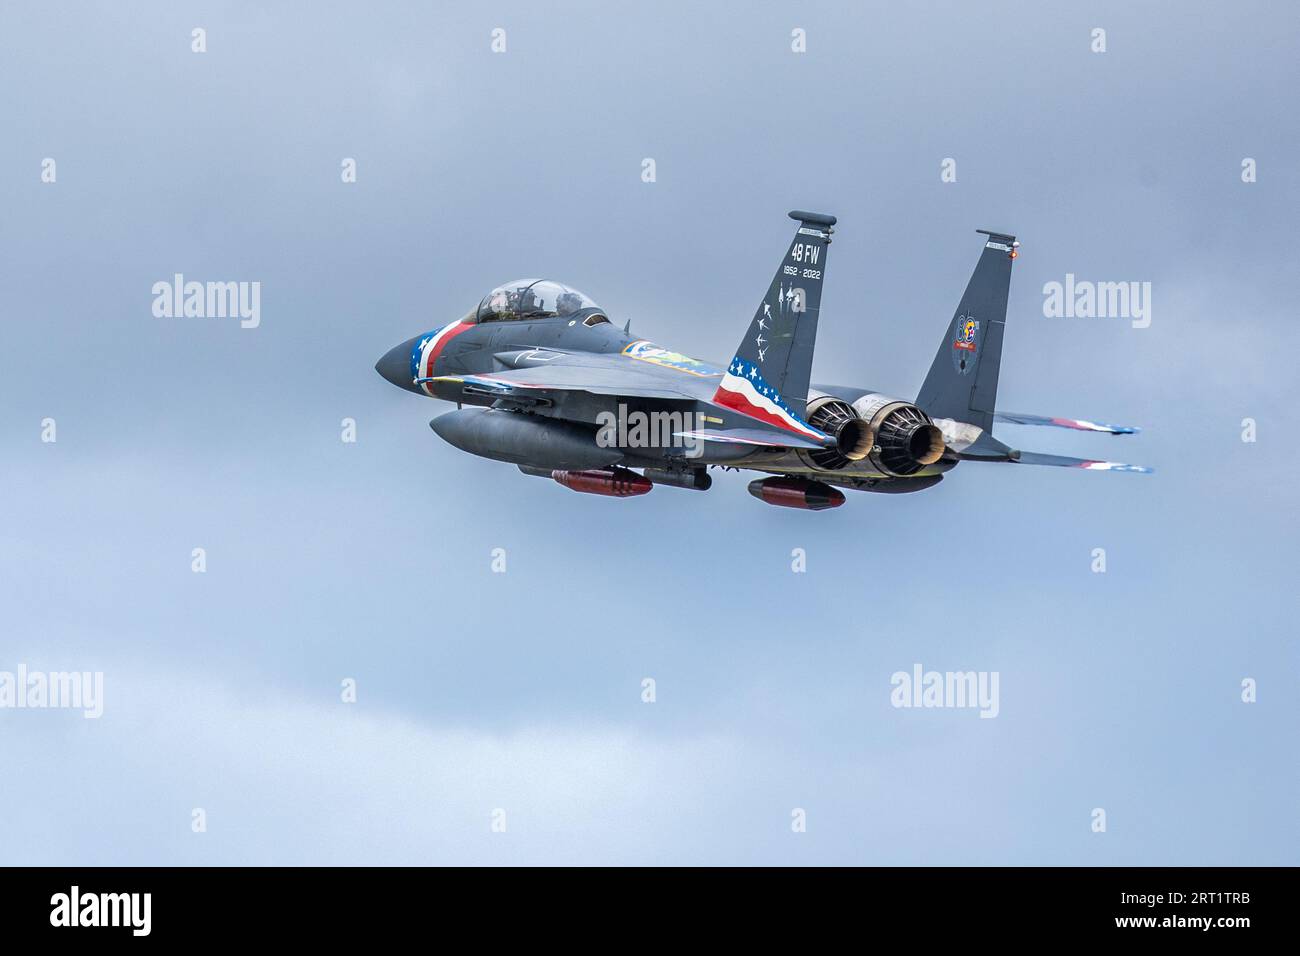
372 560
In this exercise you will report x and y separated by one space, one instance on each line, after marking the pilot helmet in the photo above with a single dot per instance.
568 303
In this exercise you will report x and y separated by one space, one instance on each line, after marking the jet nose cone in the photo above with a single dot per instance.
395 366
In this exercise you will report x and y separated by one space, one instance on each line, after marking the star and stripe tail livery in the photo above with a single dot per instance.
768 378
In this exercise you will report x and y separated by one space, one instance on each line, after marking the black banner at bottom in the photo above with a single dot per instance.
1173 905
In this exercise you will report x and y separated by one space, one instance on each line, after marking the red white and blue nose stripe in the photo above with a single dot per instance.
427 348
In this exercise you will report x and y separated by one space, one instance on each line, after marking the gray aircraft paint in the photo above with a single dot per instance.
549 381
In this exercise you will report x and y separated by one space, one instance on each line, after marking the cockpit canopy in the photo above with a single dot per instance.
531 299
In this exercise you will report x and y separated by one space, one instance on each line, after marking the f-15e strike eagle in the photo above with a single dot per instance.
560 391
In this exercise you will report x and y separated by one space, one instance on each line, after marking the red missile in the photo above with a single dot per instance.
615 482
796 493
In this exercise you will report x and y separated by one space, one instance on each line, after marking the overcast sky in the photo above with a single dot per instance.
522 691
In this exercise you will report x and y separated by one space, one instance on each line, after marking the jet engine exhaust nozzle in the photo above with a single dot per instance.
854 438
906 439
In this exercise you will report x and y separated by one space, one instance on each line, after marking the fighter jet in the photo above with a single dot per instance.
543 380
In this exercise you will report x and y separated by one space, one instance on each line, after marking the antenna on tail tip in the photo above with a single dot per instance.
816 218
1001 240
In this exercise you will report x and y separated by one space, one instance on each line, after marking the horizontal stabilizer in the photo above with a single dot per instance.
1079 424
1060 461
988 448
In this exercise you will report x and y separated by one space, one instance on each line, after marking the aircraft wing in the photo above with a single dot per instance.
1079 424
549 374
